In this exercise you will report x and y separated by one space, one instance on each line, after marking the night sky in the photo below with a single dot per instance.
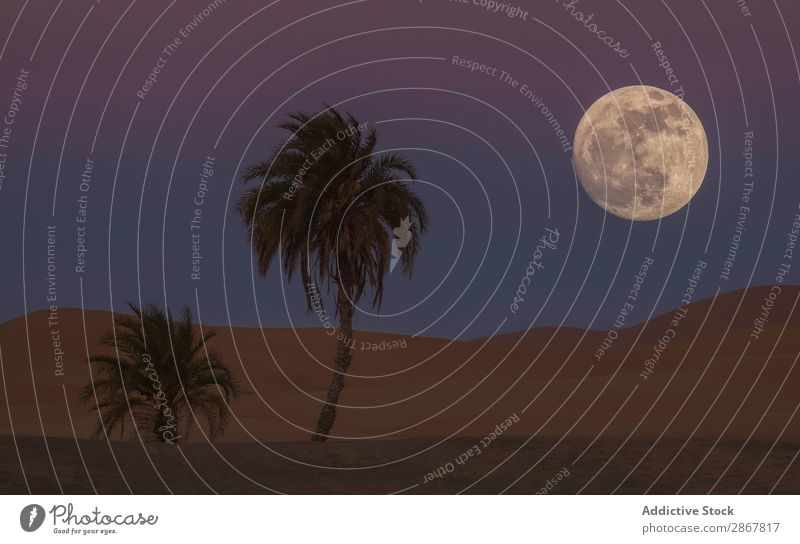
495 174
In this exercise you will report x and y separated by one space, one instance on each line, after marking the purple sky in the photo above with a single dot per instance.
496 175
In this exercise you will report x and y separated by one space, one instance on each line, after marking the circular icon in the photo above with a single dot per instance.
31 517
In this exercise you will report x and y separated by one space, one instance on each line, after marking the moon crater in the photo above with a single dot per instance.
641 153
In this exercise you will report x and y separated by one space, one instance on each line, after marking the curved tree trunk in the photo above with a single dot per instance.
343 358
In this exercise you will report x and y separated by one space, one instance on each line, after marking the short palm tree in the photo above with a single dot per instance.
325 206
163 373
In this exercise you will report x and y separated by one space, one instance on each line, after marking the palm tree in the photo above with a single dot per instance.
325 207
158 375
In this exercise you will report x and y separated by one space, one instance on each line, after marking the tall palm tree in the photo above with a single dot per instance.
325 206
159 373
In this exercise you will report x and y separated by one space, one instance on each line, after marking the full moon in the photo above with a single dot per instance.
640 153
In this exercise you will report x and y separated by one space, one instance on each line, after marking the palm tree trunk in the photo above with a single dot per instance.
343 358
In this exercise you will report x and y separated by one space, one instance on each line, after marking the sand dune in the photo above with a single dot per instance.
436 387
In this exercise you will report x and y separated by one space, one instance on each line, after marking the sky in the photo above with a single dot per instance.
149 93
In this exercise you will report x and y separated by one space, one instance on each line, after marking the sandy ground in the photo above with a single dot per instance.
712 384
507 466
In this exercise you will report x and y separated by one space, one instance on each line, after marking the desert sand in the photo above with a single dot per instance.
718 408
